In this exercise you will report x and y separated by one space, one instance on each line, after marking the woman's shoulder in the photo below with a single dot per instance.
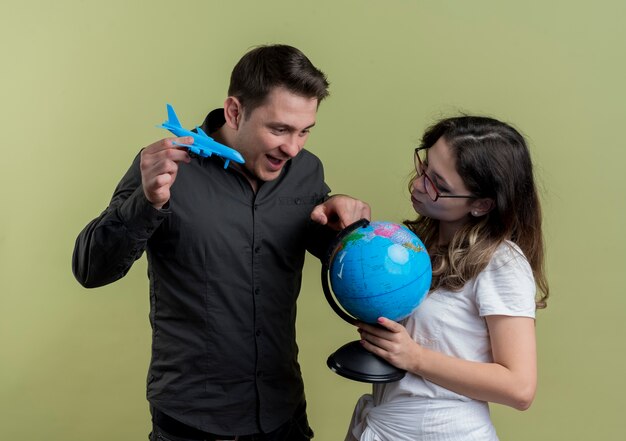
509 255
506 286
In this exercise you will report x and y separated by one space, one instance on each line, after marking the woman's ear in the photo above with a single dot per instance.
482 206
233 112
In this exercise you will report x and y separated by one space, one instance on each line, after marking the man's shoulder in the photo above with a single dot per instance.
303 171
306 158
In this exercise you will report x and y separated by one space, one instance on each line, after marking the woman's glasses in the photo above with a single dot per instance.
431 189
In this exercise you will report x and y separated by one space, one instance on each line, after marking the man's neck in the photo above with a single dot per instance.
226 135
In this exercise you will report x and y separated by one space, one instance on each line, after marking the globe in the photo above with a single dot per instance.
380 269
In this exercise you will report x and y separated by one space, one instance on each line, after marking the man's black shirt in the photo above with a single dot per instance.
225 267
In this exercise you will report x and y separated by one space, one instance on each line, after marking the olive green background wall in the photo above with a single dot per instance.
83 84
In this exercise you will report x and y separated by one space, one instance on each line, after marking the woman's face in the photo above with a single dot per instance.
441 169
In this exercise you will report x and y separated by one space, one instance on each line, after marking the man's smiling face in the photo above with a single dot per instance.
274 132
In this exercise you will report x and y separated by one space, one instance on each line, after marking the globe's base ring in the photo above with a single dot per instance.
354 362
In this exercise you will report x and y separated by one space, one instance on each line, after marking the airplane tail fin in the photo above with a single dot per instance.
171 116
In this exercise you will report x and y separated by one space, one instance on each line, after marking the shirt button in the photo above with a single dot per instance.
257 291
256 207
257 249
258 332
298 201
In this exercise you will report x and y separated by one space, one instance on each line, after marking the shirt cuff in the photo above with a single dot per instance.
139 216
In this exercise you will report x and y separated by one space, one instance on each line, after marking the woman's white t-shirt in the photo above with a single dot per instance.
452 323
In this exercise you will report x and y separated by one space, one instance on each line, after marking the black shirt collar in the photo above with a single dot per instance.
214 121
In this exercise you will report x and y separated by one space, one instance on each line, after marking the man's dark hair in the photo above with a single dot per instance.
269 66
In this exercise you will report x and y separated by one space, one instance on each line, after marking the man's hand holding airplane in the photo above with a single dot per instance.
340 210
159 166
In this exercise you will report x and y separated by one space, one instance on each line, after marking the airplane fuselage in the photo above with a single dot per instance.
203 145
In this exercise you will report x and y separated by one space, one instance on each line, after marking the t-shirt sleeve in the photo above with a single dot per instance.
506 286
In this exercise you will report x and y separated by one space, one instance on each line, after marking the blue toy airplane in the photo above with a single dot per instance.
203 145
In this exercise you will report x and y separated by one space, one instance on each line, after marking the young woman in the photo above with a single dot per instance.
472 340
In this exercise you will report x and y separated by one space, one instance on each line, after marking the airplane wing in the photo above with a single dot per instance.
193 149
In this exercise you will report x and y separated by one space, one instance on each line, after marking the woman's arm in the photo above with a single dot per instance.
510 380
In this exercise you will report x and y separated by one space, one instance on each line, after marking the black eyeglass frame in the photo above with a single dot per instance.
420 168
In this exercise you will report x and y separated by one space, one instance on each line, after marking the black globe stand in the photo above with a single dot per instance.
352 360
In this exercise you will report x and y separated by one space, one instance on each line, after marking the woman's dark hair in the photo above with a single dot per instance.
494 162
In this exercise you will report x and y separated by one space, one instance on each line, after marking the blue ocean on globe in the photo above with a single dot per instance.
380 270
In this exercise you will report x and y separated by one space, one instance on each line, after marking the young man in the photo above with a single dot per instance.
225 252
